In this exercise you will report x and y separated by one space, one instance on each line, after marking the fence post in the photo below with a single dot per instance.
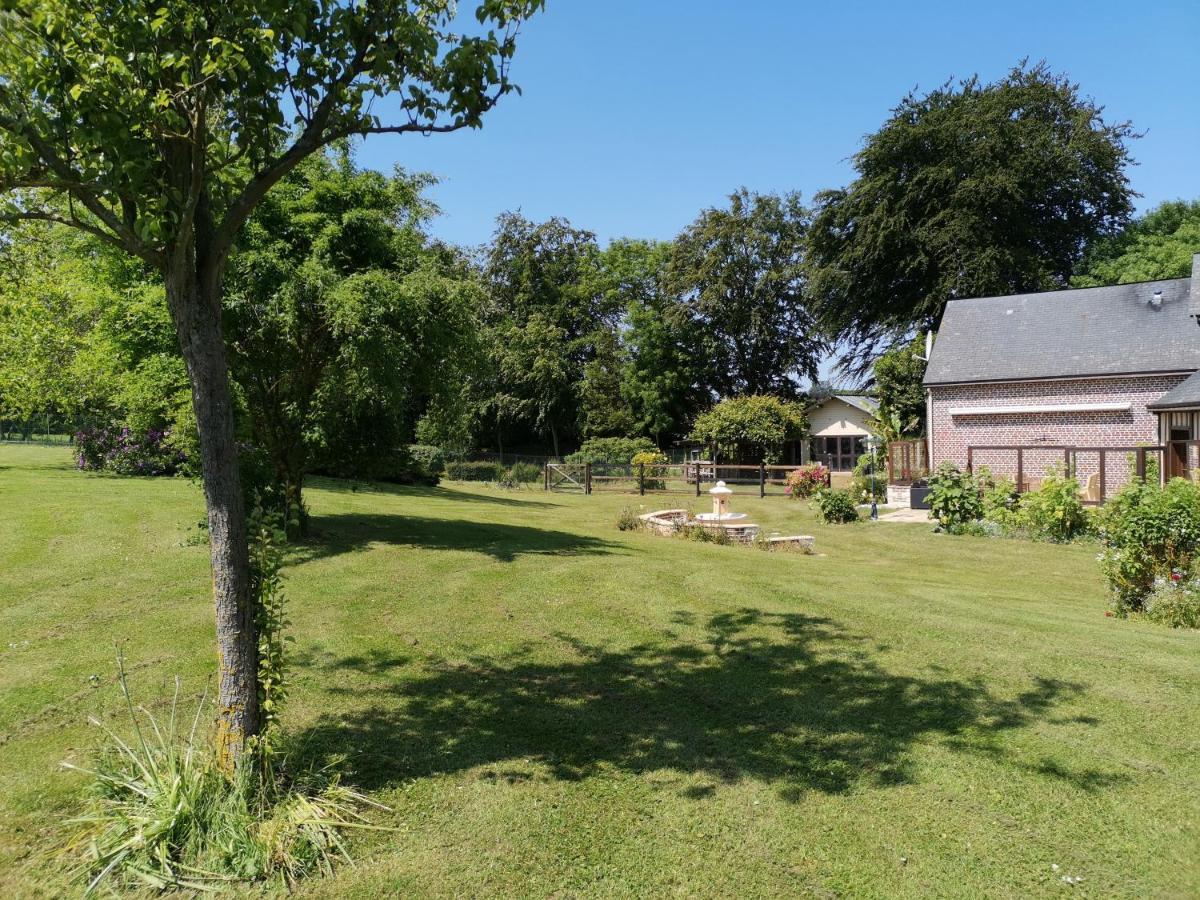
697 478
1020 470
546 477
587 478
1103 462
762 480
642 479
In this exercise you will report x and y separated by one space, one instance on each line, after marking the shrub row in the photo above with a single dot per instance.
966 503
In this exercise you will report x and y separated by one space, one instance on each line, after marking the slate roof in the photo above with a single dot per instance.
869 405
1075 333
1186 393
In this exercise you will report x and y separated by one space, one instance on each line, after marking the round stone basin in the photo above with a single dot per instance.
713 517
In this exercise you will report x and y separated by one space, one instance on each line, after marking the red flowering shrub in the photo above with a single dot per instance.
806 481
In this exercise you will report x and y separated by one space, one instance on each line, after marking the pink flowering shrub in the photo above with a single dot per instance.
123 452
805 481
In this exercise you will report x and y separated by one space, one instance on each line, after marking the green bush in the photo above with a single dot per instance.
869 480
835 507
954 496
432 458
653 460
1174 604
524 473
475 471
1149 534
702 535
1000 500
613 451
756 424
1055 511
628 520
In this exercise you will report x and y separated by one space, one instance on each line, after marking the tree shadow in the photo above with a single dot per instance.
782 698
331 535
351 486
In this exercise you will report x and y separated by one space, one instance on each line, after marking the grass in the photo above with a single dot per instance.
552 707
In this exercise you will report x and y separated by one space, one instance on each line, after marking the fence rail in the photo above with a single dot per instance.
1099 479
663 478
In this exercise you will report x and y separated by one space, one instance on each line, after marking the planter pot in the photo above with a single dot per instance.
919 497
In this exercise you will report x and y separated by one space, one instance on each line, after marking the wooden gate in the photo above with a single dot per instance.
568 477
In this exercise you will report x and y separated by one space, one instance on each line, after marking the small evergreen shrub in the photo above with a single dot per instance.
805 481
1149 534
432 458
835 507
475 471
1055 511
1174 603
954 496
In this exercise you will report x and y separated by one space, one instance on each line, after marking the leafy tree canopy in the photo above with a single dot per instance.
755 425
666 371
898 385
739 273
970 190
342 318
1159 244
545 313
160 126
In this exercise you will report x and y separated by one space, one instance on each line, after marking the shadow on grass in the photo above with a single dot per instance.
349 532
519 497
787 699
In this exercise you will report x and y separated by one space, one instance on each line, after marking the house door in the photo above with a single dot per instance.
1178 453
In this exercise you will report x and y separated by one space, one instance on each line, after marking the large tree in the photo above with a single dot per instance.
1159 244
544 315
342 319
970 190
739 273
160 125
666 372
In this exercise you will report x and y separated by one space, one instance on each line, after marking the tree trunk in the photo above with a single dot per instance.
195 304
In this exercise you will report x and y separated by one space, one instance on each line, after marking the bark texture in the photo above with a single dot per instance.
194 299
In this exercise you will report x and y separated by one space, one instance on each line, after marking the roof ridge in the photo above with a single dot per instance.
1069 290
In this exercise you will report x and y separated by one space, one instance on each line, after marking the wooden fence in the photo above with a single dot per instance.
907 461
668 478
1098 476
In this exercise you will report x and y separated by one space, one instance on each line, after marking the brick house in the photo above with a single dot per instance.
1076 377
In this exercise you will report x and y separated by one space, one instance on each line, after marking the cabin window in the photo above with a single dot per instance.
840 453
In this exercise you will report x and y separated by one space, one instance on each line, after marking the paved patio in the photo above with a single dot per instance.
919 516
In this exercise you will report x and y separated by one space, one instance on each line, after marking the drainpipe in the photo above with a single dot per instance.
929 428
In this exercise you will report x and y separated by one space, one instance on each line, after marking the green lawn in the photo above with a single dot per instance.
553 707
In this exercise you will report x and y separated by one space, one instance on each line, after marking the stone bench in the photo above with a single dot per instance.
792 543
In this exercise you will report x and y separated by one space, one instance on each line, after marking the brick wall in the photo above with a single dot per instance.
953 434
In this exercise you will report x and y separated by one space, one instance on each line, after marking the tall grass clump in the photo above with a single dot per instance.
161 813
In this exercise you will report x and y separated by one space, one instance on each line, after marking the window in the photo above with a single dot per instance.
838 453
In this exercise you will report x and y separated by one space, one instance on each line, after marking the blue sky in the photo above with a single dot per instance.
636 115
